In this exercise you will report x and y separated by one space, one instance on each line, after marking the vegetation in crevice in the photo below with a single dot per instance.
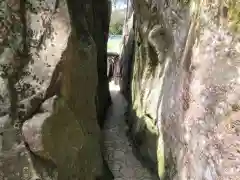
184 2
234 14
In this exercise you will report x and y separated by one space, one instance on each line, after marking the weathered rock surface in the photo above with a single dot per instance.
32 129
185 88
53 48
32 132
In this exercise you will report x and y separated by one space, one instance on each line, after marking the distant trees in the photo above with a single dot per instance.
117 18
116 28
116 3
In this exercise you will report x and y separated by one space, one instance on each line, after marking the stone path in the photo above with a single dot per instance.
118 150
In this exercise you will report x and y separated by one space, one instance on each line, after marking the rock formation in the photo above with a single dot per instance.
54 89
184 85
180 75
100 31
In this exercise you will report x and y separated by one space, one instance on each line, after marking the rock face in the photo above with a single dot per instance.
184 100
54 89
100 31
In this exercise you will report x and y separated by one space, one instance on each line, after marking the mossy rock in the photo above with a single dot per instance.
77 155
234 14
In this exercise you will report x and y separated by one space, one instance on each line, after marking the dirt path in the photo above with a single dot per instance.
118 150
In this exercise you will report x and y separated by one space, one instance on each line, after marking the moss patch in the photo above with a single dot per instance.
184 2
76 154
234 14
148 141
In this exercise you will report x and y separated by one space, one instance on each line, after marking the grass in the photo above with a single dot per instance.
114 44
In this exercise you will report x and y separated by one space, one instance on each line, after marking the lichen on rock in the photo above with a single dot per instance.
190 92
35 38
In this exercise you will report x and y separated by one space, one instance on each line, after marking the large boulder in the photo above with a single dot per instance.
33 37
184 114
32 129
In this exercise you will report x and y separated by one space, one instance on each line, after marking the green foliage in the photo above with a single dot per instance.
116 28
234 14
117 21
184 2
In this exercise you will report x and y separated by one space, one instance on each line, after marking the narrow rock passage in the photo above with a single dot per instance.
118 149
